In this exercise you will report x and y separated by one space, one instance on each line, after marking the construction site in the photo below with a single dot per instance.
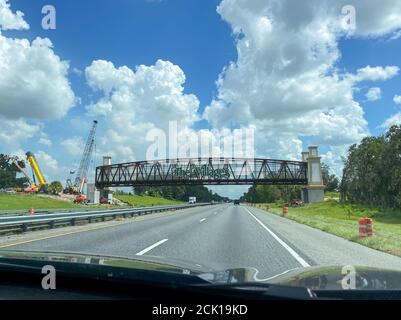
78 188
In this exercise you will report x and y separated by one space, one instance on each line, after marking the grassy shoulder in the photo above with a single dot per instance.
145 201
342 219
26 201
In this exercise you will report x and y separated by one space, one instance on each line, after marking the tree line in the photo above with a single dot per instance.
181 193
275 193
270 193
372 171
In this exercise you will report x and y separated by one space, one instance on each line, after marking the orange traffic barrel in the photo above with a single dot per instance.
285 211
32 211
365 227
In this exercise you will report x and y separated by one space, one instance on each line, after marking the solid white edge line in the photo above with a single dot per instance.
286 246
151 247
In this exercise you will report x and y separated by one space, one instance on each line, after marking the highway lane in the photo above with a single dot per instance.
124 240
229 238
220 237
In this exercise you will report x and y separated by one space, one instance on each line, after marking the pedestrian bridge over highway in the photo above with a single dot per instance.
205 171
217 171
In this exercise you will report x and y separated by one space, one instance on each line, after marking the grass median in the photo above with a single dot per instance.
342 219
145 201
26 201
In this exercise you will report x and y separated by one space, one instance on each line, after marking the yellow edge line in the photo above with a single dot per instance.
62 234
77 231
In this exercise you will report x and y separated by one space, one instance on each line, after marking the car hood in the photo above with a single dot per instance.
342 277
314 278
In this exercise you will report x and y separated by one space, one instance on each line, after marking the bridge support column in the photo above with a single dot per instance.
314 191
107 192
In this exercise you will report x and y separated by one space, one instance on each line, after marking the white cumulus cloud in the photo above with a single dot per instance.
45 141
369 73
285 80
395 119
136 101
74 145
10 20
33 80
397 99
373 94
12 132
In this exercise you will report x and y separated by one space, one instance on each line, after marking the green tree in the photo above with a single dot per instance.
139 190
8 174
392 165
181 192
271 193
55 187
372 171
330 180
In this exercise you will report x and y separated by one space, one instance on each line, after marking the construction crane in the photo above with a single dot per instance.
33 187
38 173
81 176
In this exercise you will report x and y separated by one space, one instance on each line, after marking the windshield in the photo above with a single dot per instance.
238 140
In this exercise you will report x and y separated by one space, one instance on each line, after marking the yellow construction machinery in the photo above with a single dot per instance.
32 186
37 172
70 188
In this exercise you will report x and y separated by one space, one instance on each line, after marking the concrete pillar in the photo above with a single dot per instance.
314 191
106 160
93 195
108 191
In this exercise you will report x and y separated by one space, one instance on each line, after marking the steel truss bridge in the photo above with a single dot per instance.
202 171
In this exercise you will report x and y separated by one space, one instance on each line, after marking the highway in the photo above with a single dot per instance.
217 237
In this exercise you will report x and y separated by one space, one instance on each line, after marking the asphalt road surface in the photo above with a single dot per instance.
218 237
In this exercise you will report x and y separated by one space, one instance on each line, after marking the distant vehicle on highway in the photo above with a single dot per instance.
236 202
192 200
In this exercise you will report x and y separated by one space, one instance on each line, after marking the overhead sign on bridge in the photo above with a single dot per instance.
202 171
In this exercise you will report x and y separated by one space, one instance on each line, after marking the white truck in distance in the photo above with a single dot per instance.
192 200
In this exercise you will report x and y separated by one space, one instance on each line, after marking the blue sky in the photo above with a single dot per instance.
132 33
138 32
357 53
199 39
